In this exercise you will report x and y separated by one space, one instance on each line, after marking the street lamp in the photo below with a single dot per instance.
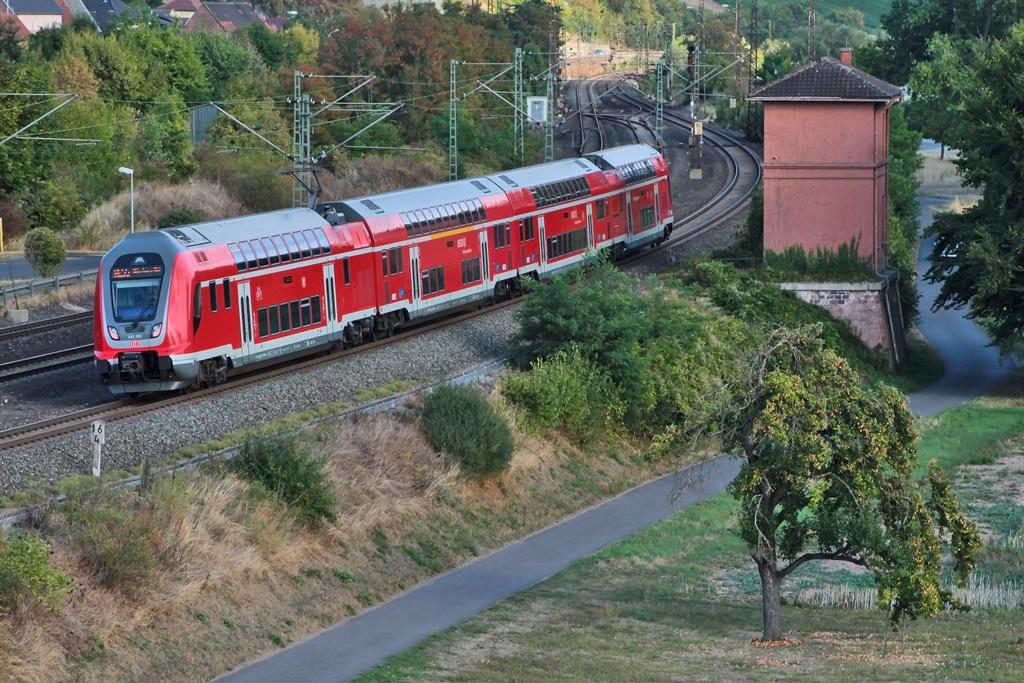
131 192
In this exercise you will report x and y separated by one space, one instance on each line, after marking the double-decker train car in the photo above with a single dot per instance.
188 306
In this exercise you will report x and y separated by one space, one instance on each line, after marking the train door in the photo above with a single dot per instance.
542 236
629 214
414 273
331 297
245 314
590 227
485 265
657 207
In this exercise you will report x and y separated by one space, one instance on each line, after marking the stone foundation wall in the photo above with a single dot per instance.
866 306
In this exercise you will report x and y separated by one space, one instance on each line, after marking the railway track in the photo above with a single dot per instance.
38 326
80 421
46 362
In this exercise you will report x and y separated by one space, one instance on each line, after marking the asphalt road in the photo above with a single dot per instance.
14 267
359 644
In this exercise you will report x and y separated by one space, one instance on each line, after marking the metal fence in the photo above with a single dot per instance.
36 286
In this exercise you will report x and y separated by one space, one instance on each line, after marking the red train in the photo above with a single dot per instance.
188 306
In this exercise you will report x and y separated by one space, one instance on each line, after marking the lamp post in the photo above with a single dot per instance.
131 191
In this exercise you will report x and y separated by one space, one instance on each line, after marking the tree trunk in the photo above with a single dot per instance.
771 604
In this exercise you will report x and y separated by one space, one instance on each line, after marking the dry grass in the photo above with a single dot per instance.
376 175
939 179
235 572
106 224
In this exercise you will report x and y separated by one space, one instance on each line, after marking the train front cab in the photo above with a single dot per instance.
133 329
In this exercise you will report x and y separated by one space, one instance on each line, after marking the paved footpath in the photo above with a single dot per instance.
361 643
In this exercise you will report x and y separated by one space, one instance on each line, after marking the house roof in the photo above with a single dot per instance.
828 80
102 11
232 15
180 5
20 31
34 7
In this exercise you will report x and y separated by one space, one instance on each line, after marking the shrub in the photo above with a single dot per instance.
112 532
44 251
289 471
566 392
182 215
460 422
26 576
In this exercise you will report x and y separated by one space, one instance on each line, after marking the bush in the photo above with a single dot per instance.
289 471
566 392
462 423
112 532
181 215
44 251
26 576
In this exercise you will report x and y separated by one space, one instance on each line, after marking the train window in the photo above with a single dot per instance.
263 323
261 253
250 255
238 256
213 297
599 207
321 238
306 313
303 245
197 308
395 256
281 248
479 215
285 320
275 326
407 223
647 216
317 314
526 229
268 244
384 261
438 220
292 245
499 236
344 268
471 271
227 294
296 320
314 246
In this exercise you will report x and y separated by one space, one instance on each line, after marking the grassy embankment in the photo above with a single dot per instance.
680 600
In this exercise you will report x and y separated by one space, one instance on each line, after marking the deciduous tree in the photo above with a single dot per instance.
828 475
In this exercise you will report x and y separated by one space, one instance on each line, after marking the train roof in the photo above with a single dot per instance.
542 174
229 230
621 156
402 201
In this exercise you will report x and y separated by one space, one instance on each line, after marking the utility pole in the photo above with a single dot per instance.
812 40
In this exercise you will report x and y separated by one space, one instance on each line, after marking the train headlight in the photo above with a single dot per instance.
157 329
112 331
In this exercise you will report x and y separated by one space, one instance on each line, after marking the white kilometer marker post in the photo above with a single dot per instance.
99 437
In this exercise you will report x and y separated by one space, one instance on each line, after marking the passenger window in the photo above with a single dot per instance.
261 253
306 313
268 244
227 294
282 249
239 257
317 316
303 245
285 321
294 305
314 246
213 297
325 244
263 323
275 327
250 255
293 247
344 267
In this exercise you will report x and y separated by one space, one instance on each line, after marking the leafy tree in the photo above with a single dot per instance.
222 59
904 228
182 215
55 204
167 138
978 255
44 251
827 474
271 45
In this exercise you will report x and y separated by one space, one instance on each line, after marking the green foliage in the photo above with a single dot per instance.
828 474
111 530
978 255
748 249
44 251
26 576
54 204
459 421
824 263
287 469
182 215
566 391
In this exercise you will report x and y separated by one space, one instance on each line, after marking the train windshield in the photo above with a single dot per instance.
135 281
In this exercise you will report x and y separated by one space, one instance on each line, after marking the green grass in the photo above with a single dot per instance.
680 600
